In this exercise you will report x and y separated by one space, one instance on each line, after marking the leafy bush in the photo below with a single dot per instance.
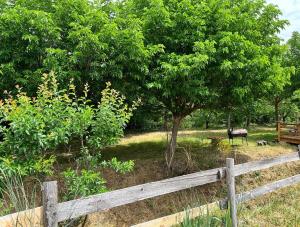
86 179
83 183
38 125
10 165
118 166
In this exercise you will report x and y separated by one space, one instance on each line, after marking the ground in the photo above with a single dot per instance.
195 153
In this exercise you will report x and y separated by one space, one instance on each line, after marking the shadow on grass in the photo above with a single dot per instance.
194 144
193 153
141 150
268 136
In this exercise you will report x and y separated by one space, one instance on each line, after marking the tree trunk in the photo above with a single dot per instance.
170 152
206 124
248 121
229 121
166 121
277 101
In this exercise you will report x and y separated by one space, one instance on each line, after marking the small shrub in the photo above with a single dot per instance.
118 166
10 165
38 125
83 183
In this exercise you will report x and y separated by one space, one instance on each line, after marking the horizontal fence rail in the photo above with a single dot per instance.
268 188
265 164
54 212
195 212
108 200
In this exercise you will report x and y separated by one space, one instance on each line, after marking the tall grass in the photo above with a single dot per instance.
17 198
207 220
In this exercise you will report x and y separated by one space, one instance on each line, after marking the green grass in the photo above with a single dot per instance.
152 145
277 209
148 148
216 219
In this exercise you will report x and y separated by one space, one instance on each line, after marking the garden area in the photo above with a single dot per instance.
100 96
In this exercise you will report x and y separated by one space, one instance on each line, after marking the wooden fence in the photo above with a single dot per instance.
55 212
289 133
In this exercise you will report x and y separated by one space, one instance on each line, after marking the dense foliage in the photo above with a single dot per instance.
38 125
81 39
213 54
54 117
223 57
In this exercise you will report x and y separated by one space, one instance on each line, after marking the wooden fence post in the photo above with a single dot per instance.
230 178
50 204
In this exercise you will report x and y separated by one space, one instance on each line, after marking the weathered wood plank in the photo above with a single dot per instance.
266 163
105 201
178 218
230 180
50 204
268 188
32 217
76 208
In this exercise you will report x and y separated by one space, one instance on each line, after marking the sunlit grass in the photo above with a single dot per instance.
147 149
152 145
280 208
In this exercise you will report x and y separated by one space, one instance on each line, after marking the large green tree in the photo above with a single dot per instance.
25 35
86 40
214 53
294 60
284 96
188 54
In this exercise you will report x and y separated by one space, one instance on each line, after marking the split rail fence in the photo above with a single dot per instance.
54 212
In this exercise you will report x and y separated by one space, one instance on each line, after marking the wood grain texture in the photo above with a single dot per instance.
32 217
177 218
265 164
230 180
105 201
50 204
285 135
268 188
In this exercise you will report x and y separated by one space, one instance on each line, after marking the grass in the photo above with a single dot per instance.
151 145
17 197
277 209
280 208
208 220
147 149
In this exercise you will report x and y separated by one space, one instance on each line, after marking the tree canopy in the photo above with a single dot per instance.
182 54
77 39
212 53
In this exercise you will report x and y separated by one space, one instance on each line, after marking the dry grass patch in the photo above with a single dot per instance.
147 149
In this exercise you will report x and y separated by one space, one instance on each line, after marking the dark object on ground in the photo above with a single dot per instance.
243 133
261 143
